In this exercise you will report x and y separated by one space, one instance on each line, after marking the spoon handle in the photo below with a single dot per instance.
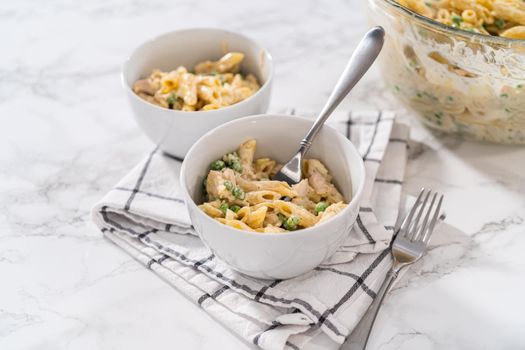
361 60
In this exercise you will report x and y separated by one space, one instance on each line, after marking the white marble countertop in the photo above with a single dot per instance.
67 136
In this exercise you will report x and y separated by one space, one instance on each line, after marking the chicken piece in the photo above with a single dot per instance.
144 86
306 196
302 188
324 189
216 187
319 183
272 218
320 180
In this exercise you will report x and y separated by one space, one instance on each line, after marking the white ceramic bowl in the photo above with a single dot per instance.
282 255
176 131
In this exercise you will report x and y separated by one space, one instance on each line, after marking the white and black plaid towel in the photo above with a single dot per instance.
145 215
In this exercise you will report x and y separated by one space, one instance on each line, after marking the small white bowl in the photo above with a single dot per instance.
176 131
277 255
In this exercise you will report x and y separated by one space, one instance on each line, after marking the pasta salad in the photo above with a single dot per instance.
505 18
209 85
240 194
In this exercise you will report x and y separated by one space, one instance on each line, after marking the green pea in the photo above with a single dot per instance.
238 193
291 223
320 207
172 98
235 208
223 207
236 165
228 158
233 161
456 19
217 165
228 185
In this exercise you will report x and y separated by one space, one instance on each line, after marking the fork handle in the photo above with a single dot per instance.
362 58
359 337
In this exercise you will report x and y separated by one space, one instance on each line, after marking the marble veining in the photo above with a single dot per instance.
68 136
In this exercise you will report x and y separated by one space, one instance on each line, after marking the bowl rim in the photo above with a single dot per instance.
266 85
455 31
305 231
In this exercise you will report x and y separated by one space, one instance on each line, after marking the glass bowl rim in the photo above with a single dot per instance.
454 31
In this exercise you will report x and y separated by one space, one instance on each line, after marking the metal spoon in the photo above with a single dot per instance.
361 60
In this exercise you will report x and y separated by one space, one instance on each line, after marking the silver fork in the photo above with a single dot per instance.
361 60
408 247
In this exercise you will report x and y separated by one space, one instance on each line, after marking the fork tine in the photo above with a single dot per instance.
430 230
408 219
414 226
421 231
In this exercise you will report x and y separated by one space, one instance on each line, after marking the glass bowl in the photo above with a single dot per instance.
457 81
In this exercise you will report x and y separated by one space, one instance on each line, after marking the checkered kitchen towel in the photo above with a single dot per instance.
145 215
